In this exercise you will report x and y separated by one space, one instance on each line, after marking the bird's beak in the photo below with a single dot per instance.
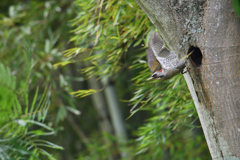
149 78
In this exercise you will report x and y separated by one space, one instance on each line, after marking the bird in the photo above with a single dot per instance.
162 62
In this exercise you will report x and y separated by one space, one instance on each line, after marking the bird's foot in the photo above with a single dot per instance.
183 72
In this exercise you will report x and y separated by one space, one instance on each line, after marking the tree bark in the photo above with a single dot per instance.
213 27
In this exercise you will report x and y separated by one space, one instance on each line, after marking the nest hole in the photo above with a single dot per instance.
196 56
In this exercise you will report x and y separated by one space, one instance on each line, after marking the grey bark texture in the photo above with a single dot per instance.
213 27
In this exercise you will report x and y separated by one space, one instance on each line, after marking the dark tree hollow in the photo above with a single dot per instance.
196 56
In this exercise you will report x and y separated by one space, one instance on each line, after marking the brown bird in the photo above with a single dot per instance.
162 62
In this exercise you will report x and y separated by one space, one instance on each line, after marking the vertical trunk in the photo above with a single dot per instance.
101 108
112 106
115 114
213 78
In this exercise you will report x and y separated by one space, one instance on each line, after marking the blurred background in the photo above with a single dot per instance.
72 86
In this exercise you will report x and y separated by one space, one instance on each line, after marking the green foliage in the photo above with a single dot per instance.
173 114
100 149
108 31
26 128
22 120
83 93
236 7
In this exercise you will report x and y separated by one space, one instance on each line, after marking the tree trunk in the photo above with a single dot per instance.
117 126
101 107
115 114
213 30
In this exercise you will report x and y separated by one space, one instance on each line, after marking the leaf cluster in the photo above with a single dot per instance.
22 119
31 41
105 30
236 7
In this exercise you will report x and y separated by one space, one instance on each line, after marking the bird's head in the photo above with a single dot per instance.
158 75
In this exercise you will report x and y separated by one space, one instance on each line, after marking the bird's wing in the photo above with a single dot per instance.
165 57
152 62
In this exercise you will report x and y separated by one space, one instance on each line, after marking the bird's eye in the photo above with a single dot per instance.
154 75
